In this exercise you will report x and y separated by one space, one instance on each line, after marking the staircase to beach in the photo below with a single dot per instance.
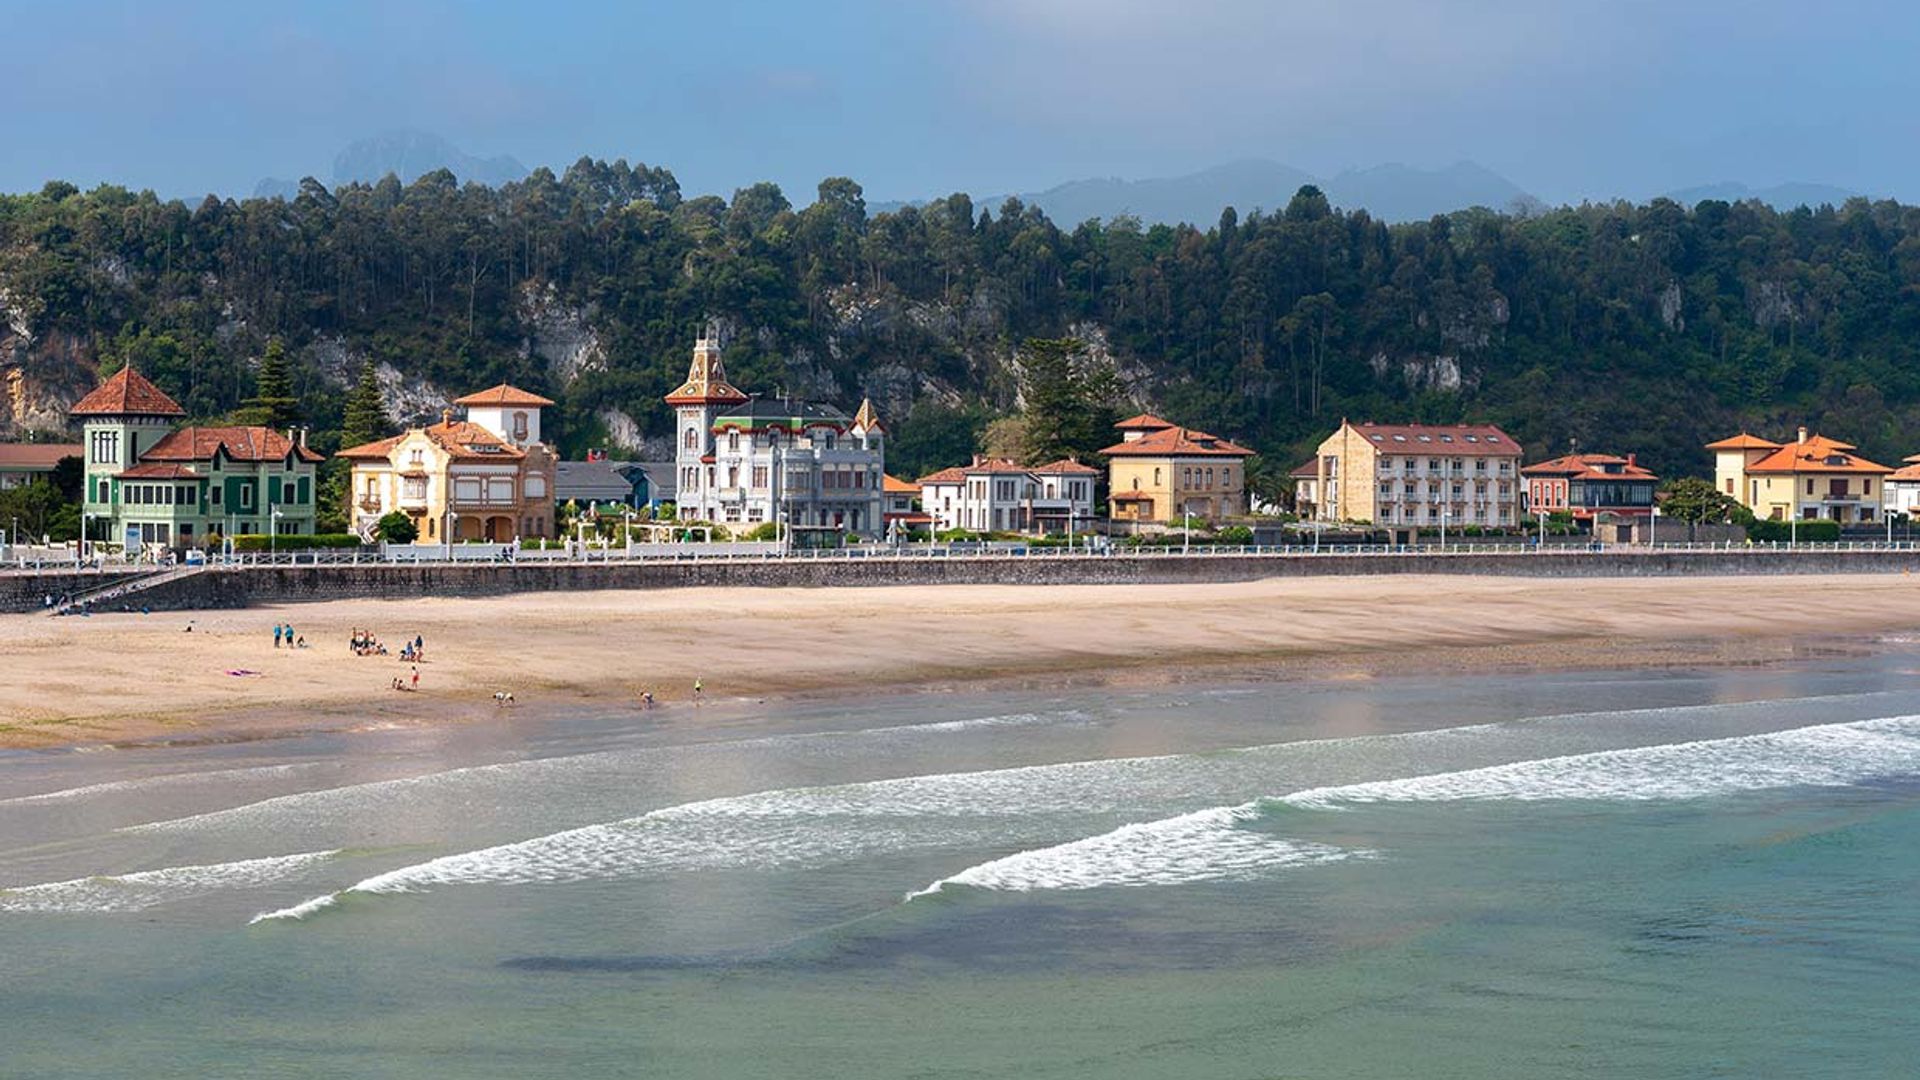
120 591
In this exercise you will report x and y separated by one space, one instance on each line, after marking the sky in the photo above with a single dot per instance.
1570 99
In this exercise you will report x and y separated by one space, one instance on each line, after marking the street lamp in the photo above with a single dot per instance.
1186 541
273 531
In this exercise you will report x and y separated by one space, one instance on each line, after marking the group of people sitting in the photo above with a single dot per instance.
365 644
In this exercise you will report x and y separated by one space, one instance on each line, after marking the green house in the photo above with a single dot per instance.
157 486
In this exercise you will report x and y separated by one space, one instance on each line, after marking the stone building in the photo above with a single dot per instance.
1162 473
1418 474
998 495
743 461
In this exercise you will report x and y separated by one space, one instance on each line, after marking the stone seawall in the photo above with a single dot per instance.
231 588
29 591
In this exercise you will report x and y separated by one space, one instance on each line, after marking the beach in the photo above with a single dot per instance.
124 677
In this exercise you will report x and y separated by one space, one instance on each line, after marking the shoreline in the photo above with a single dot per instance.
557 651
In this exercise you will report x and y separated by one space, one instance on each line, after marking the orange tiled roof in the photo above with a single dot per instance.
1589 467
1743 441
1910 472
951 475
464 440
1177 442
1450 438
504 395
127 393
36 455
1143 422
1818 454
1062 467
238 443
893 485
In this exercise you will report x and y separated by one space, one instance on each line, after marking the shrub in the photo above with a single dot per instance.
397 528
1235 534
263 542
1807 532
763 532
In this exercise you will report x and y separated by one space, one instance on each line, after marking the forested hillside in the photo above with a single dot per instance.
1646 328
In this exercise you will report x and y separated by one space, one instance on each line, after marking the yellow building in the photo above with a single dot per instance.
1418 474
488 477
1160 473
1811 478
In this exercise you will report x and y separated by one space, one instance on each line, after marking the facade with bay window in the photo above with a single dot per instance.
1419 475
487 477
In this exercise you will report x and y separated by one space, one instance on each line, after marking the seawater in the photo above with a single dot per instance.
1680 873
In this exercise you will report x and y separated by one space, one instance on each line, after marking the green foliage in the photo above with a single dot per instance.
1766 530
1698 502
1234 534
1069 401
262 542
395 527
272 404
1653 328
763 532
38 509
365 418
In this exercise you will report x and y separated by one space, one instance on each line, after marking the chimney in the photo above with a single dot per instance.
1803 433
446 417
977 459
303 438
1632 460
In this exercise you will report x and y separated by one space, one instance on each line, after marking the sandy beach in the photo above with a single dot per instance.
130 677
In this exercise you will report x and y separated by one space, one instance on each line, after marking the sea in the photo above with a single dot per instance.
1658 873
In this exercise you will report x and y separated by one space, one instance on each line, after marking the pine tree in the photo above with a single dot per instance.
365 418
272 404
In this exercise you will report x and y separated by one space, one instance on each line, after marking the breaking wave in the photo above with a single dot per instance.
1215 844
150 888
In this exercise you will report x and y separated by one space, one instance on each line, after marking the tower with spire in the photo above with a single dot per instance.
745 462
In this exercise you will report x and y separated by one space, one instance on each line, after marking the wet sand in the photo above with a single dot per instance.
129 677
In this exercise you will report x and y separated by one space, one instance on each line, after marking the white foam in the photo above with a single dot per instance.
298 911
1824 756
151 888
1213 844
1206 845
179 779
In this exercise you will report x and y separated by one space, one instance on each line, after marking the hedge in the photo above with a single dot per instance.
263 542
1807 532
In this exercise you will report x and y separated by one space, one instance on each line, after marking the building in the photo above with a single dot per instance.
1000 495
1586 485
486 477
1811 478
745 461
602 482
23 463
167 488
901 507
1161 473
1419 475
1900 491
1306 488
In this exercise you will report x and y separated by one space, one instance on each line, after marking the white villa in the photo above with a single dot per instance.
744 461
998 495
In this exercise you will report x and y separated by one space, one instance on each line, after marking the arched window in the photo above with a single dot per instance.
733 440
687 440
520 426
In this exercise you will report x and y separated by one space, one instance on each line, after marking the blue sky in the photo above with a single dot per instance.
1568 98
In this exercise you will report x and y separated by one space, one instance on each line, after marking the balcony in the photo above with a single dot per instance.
370 501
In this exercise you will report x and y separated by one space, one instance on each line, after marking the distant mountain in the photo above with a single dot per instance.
407 154
1779 196
1390 192
1396 192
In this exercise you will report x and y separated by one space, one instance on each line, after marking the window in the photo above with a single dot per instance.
411 487
104 448
687 439
760 476
520 427
246 496
214 495
1809 485
733 440
1156 476
417 458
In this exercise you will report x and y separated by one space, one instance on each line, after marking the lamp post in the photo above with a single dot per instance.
1653 526
273 531
1186 540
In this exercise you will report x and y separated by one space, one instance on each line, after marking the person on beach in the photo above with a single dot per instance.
698 691
276 635
646 700
416 678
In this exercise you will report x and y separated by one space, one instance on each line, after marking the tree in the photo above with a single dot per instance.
1698 502
395 527
37 509
272 404
365 417
1069 400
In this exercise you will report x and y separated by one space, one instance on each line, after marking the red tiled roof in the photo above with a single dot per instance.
1063 467
504 395
1453 438
158 470
1818 454
1589 467
1177 442
1910 472
1143 422
1309 471
952 475
459 438
239 443
1743 441
127 393
36 455
893 485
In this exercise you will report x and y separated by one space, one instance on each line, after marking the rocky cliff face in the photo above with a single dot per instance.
41 375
